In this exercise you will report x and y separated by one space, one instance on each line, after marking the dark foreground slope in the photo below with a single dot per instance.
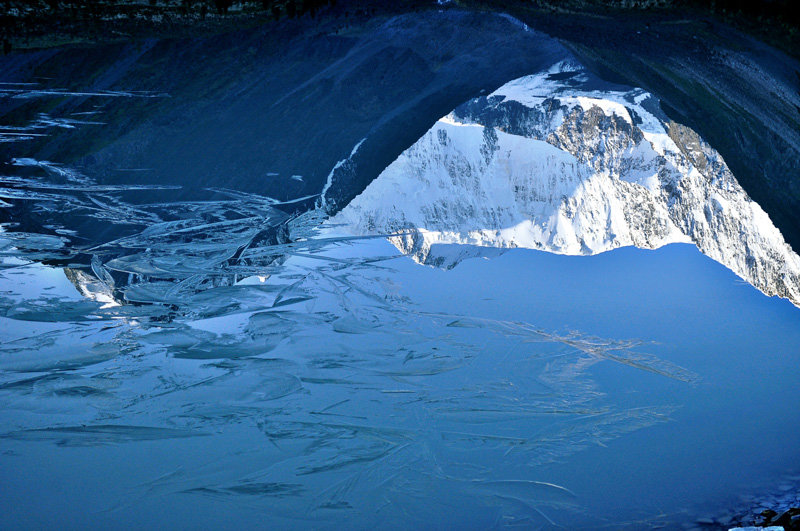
273 109
251 109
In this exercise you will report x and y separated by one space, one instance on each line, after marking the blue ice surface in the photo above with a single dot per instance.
734 430
629 388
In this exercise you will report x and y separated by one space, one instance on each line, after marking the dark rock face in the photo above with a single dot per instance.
252 109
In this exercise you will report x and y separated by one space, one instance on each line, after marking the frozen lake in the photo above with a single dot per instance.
354 386
179 351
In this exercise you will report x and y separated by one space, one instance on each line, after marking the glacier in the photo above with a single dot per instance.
563 162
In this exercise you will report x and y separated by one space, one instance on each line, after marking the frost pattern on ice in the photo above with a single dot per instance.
354 393
549 162
326 389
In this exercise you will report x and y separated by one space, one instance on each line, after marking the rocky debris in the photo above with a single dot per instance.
788 520
781 509
778 510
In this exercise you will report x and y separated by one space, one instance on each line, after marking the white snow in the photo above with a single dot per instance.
552 191
329 180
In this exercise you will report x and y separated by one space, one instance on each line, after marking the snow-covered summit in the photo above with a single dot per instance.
554 161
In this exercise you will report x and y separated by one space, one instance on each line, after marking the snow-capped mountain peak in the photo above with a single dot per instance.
561 162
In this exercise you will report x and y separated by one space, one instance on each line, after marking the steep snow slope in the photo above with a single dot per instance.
554 161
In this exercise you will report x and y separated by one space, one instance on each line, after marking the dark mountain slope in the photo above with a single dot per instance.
273 109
